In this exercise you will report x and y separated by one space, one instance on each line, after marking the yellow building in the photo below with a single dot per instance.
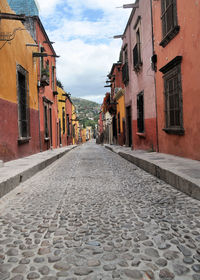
74 121
89 133
120 116
84 135
19 117
61 98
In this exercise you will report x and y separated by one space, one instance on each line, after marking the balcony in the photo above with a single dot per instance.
125 73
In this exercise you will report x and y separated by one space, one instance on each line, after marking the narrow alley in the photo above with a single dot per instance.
93 215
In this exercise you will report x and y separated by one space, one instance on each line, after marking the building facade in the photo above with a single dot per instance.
19 116
69 119
139 79
46 57
62 116
49 123
118 103
176 40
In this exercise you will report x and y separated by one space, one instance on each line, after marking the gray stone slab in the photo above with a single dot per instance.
181 173
14 172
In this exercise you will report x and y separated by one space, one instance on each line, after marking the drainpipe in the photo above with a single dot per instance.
157 142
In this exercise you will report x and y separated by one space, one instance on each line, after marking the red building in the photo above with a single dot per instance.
176 40
117 98
139 79
46 56
49 126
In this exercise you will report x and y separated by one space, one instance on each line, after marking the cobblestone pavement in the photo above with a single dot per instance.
92 215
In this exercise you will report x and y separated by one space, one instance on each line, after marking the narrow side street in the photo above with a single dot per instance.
93 215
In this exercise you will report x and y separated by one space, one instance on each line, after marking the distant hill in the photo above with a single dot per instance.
87 111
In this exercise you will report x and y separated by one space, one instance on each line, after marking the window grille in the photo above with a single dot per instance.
137 61
46 122
125 73
63 119
173 96
140 112
172 99
169 21
23 102
68 126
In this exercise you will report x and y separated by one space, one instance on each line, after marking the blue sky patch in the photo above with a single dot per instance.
92 15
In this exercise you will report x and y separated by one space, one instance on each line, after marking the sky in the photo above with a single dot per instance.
83 33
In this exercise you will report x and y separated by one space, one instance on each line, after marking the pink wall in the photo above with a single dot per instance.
143 80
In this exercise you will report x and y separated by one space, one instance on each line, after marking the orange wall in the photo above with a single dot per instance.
13 53
185 44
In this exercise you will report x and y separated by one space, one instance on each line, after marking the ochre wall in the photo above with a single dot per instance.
62 105
69 112
185 44
121 110
13 53
73 124
84 135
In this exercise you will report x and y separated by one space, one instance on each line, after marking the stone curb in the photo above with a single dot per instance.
178 181
12 182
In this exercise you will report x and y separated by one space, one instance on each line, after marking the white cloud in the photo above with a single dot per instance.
86 52
48 7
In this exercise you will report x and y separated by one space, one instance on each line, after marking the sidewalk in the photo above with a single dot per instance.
181 173
12 173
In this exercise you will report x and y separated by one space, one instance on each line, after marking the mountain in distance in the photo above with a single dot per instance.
87 111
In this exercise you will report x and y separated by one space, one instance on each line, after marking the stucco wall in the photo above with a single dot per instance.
185 44
62 105
11 54
47 91
144 80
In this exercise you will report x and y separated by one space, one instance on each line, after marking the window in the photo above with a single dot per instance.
173 96
53 78
140 112
23 102
41 59
50 123
125 71
63 119
137 62
73 130
170 26
46 131
118 120
68 126
47 65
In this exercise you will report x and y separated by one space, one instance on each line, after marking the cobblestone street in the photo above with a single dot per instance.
93 215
